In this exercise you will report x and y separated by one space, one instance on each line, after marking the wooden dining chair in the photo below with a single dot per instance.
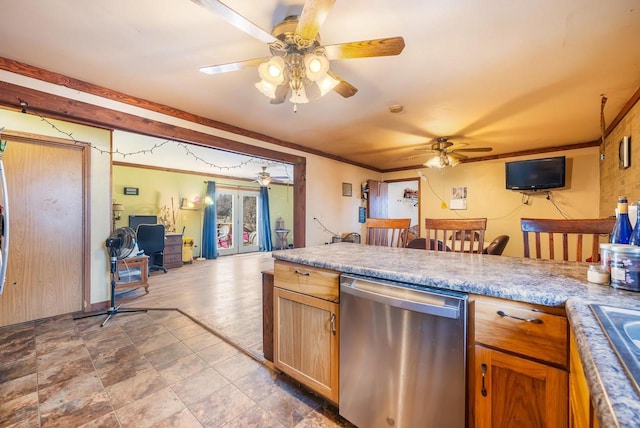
388 232
460 235
569 231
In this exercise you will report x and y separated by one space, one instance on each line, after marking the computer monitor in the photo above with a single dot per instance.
135 220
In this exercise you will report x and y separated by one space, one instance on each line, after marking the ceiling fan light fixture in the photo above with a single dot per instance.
267 88
316 66
299 96
434 162
452 160
273 70
327 84
264 180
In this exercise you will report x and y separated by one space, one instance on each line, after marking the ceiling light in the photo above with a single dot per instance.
327 84
273 70
396 108
442 160
267 88
264 180
434 162
301 74
316 66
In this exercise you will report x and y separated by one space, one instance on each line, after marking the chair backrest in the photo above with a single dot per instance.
150 238
389 232
496 247
565 228
450 234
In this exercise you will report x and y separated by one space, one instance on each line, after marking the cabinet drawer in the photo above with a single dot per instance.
511 327
318 282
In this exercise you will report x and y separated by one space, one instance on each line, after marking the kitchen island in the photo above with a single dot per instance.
552 284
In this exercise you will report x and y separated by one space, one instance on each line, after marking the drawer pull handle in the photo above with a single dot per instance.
531 320
483 391
333 324
302 273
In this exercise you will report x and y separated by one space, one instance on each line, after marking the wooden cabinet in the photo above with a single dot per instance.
519 362
267 314
581 413
132 273
173 250
305 326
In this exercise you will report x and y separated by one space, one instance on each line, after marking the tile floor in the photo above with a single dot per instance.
158 368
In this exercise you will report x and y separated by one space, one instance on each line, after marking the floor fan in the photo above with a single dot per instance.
120 244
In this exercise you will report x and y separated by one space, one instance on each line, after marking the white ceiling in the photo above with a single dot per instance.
514 75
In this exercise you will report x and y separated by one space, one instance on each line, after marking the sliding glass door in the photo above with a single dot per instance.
237 221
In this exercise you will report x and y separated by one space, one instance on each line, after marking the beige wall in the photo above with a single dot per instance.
487 196
616 181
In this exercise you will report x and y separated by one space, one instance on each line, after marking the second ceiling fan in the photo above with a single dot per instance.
298 68
445 153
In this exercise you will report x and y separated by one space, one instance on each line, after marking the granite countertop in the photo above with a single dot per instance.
543 282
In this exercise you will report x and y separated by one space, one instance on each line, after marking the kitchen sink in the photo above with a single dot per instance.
622 328
632 329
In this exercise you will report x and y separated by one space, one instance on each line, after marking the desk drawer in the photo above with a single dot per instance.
522 329
318 282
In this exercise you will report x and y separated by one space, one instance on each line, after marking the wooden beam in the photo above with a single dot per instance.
89 88
67 109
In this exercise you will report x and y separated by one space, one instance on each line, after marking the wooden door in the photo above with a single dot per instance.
306 340
511 391
377 202
45 269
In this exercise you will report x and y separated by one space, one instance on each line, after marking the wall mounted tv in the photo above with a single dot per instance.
536 174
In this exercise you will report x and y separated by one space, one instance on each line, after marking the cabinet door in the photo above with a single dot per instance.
581 409
515 392
306 340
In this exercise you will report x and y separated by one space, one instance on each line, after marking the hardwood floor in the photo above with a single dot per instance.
224 295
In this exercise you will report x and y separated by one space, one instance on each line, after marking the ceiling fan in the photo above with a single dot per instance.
299 65
264 178
444 153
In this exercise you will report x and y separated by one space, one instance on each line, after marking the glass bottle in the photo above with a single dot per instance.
635 235
622 229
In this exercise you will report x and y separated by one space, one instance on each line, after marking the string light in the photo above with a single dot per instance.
188 152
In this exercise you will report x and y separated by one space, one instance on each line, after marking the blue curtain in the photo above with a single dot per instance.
209 230
264 226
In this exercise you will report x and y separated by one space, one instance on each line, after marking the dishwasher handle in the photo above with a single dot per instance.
425 302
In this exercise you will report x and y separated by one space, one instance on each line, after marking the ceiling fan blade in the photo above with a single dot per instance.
232 66
365 48
477 149
459 156
343 88
235 19
313 15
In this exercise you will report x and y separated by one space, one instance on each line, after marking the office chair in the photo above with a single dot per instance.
150 238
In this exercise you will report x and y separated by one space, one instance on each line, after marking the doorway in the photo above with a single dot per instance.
47 261
237 217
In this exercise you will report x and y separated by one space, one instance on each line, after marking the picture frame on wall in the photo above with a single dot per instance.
346 189
130 190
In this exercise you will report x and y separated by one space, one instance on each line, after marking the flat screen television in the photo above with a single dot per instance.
536 174
136 220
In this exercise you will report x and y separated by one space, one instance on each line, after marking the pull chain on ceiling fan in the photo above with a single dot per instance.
298 68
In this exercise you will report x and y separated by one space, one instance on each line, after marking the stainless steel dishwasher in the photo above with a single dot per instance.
402 355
